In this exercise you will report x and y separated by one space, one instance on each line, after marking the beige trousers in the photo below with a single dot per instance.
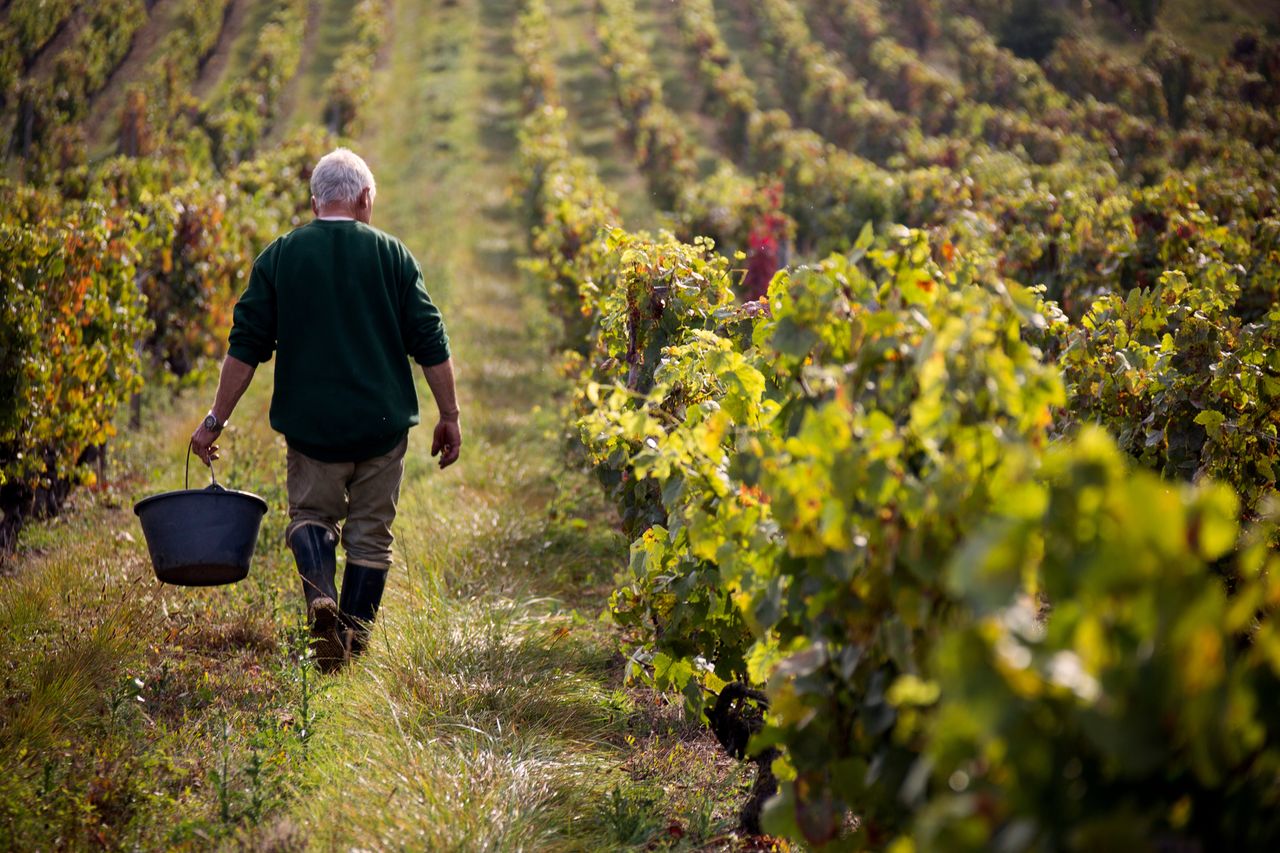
354 500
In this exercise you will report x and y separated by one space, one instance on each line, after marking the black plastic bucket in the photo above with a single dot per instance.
201 537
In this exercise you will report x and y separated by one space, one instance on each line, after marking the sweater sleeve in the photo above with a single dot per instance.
421 325
253 325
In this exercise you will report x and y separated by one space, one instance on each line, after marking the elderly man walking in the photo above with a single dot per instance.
343 307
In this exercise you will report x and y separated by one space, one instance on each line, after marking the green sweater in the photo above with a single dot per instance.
343 304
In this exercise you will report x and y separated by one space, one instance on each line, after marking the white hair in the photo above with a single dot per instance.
340 176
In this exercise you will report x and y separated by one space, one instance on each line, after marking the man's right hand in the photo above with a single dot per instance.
202 444
447 442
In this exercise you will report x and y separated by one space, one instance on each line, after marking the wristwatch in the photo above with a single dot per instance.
211 423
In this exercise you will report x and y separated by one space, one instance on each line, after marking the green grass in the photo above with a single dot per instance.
135 714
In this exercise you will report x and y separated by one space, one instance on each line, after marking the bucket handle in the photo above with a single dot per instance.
186 483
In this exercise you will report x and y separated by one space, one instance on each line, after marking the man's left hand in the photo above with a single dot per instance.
447 442
202 444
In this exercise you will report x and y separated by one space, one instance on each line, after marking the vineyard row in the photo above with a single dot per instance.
873 503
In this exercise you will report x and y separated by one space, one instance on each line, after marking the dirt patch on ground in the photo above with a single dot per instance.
204 659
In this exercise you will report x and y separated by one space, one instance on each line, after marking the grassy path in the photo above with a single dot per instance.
313 64
303 100
42 62
490 712
231 57
229 39
736 25
682 88
593 110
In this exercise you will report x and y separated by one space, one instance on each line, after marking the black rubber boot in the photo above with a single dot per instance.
315 551
361 594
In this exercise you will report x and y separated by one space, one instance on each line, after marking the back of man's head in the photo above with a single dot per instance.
339 177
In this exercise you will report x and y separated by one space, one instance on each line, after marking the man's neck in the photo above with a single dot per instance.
336 212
